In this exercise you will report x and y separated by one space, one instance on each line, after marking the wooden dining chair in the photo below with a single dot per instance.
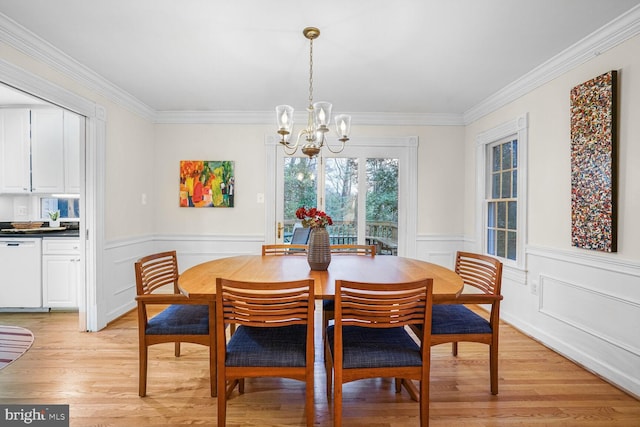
369 250
453 322
273 337
284 249
327 305
369 339
181 319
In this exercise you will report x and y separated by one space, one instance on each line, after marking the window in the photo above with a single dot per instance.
69 208
501 204
502 200
335 185
353 187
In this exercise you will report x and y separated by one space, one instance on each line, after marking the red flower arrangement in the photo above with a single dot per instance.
313 218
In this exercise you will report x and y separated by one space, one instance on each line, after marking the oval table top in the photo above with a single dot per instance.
200 280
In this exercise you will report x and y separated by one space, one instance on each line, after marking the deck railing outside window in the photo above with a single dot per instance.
383 234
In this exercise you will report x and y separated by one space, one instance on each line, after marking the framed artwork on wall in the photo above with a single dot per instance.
594 163
207 184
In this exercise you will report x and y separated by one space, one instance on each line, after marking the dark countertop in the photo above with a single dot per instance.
71 231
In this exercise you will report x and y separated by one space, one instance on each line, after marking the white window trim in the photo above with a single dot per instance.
518 128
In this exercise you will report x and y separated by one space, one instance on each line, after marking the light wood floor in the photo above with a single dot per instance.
97 375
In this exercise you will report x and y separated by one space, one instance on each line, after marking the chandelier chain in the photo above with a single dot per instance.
310 73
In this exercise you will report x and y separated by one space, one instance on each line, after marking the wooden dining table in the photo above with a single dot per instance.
200 280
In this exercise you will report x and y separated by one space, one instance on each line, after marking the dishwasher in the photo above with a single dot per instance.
20 273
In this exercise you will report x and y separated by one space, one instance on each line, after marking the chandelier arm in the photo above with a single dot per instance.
335 152
289 150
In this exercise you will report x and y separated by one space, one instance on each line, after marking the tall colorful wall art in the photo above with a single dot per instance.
594 164
207 184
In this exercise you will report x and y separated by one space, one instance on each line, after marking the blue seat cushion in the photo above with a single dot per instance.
328 304
273 346
457 319
180 319
376 347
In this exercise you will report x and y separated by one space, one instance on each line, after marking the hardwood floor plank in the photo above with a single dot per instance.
97 375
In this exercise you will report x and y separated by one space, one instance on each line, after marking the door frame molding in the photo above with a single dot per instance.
407 183
92 309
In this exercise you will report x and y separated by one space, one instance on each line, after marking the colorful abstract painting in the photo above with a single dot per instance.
207 184
593 163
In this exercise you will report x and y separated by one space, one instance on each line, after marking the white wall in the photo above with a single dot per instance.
440 182
585 304
244 145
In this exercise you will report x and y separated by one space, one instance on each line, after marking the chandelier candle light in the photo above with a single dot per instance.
319 117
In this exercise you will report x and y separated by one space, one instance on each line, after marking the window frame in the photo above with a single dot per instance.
515 129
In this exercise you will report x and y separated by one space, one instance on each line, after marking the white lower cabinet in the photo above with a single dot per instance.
60 273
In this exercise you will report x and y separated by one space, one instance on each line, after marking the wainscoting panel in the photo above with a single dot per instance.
118 295
119 291
584 306
591 311
439 249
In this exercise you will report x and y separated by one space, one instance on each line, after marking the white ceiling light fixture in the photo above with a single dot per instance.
319 117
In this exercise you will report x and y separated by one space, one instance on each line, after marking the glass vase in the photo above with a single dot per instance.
319 251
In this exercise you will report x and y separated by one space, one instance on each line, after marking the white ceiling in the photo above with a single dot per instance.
396 56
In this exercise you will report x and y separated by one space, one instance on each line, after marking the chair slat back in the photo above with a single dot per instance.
369 250
480 271
156 271
265 304
383 305
284 249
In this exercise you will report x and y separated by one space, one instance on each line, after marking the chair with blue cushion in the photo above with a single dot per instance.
178 319
343 249
453 322
369 338
273 337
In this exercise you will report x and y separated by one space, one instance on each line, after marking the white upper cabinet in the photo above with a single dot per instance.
47 151
15 151
72 132
39 151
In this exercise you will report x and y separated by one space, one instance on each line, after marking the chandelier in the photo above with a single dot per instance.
312 138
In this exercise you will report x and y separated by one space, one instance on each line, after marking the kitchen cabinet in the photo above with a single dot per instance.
15 148
72 133
60 272
47 155
39 151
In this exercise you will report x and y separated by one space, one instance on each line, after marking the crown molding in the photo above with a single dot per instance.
33 46
612 34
